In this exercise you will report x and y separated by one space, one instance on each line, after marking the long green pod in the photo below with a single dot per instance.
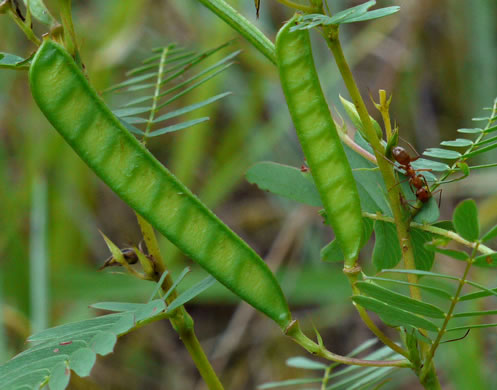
77 112
319 138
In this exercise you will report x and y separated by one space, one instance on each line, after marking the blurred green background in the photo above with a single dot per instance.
437 57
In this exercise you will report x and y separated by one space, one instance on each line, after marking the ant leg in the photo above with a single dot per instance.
439 197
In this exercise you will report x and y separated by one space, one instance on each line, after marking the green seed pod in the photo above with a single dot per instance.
319 138
77 112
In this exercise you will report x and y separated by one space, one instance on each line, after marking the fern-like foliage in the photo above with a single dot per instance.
57 351
336 377
165 77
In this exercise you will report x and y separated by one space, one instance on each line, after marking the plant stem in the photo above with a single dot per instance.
25 28
331 34
70 42
156 97
181 321
352 276
435 230
244 27
455 300
300 338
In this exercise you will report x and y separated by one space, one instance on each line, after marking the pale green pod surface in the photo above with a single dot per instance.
82 118
319 138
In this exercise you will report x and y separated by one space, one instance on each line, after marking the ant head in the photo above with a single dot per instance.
423 194
401 156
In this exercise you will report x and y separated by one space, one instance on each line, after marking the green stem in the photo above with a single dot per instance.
455 300
70 42
331 36
435 230
352 276
244 27
203 365
156 97
26 29
181 321
300 338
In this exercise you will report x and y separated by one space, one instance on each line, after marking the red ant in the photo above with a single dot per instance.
416 181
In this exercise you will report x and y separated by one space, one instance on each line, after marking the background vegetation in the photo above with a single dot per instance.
437 57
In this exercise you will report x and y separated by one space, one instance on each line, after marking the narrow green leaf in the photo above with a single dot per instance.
442 153
399 301
465 219
478 295
386 252
82 361
475 313
477 326
458 255
191 293
116 306
420 273
394 315
353 12
190 108
457 143
490 129
177 127
434 290
491 234
374 374
190 88
103 343
376 14
305 363
178 280
470 131
481 150
132 81
40 12
484 119
60 376
125 112
135 120
289 382
158 285
487 140
486 261
285 181
11 61
132 129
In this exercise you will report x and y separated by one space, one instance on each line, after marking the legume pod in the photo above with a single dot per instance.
319 138
82 118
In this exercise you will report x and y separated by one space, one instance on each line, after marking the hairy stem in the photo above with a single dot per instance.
181 321
331 34
453 304
435 230
319 350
